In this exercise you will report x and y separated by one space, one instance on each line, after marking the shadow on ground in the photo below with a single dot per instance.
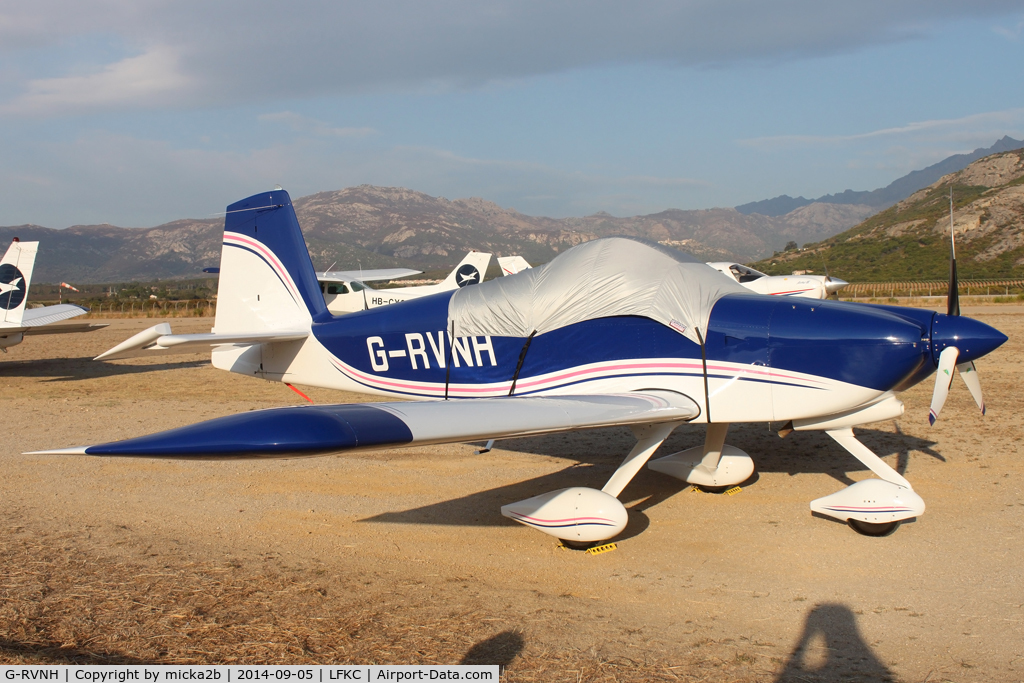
598 453
54 653
500 649
75 369
831 648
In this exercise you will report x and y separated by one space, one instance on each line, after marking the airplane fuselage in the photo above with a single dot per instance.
765 358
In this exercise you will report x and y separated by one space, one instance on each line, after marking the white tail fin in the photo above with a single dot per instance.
267 281
510 265
470 271
15 277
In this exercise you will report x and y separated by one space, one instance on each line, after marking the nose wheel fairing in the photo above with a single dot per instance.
872 501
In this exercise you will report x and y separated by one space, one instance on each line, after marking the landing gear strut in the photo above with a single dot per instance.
713 465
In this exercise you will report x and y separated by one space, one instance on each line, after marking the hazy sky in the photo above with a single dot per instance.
137 112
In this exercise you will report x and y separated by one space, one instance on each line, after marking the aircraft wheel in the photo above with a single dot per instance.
577 545
713 489
872 529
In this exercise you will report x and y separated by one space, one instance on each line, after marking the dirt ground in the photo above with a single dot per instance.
402 556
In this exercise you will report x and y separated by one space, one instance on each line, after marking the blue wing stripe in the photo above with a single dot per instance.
277 432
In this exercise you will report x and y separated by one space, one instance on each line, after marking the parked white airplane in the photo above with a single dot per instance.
615 331
345 291
17 320
376 275
807 286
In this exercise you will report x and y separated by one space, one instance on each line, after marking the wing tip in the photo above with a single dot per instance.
76 450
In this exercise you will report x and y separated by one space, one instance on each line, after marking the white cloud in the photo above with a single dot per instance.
153 78
305 124
1010 32
194 53
972 125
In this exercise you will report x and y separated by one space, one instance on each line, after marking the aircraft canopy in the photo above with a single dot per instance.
612 276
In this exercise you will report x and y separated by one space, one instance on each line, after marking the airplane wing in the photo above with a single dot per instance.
160 340
319 430
367 275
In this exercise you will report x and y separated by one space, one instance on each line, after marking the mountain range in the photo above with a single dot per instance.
373 227
884 197
910 240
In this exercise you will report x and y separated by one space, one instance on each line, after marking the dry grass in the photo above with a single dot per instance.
61 603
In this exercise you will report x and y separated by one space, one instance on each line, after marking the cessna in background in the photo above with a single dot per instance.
615 331
16 320
807 286
345 292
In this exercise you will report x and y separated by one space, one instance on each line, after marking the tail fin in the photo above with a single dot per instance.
267 280
470 271
510 265
15 277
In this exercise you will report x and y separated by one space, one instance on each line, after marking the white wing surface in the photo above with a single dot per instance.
319 430
366 275
47 315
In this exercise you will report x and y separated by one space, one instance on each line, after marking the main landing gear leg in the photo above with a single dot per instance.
715 464
873 507
649 438
581 515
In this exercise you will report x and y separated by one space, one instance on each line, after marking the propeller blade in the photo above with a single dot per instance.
970 376
953 295
943 378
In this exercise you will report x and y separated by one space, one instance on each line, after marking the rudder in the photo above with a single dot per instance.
267 280
471 271
15 276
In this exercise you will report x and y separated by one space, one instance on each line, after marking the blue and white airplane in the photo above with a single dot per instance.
16 319
612 332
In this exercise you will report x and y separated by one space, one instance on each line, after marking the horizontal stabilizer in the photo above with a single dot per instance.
42 320
159 339
46 315
319 430
65 329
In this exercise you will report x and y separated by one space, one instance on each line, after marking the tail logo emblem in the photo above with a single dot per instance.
12 287
467 275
